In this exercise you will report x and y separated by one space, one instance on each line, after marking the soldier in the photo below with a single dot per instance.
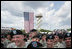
4 40
34 44
32 33
43 39
61 39
26 36
57 44
18 38
68 40
36 38
8 36
50 39
56 38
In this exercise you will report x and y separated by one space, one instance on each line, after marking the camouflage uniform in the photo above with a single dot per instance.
12 45
43 43
67 35
59 45
6 42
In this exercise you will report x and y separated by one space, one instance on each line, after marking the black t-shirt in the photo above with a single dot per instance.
34 44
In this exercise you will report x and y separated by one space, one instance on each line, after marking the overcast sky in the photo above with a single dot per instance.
56 14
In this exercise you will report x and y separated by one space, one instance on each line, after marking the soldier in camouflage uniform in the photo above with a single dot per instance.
4 40
43 39
49 42
32 33
61 39
18 39
68 40
57 44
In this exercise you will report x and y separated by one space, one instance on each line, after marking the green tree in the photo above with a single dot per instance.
43 30
23 30
69 29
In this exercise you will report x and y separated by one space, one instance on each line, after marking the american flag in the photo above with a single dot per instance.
28 21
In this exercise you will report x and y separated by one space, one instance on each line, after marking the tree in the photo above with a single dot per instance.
69 29
43 30
23 31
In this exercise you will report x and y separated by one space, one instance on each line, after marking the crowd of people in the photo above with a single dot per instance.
34 39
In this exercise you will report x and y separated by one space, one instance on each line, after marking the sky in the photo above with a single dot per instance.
56 14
